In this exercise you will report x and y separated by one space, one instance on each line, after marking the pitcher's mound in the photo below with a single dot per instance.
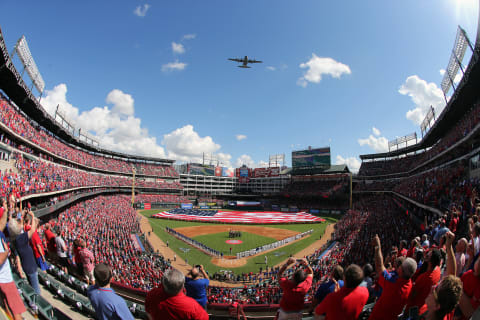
233 241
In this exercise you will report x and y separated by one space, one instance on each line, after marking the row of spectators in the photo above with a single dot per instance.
38 176
17 122
106 225
461 129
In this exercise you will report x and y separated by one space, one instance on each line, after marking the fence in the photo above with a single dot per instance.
274 245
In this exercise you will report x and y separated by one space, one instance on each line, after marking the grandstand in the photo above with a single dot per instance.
84 192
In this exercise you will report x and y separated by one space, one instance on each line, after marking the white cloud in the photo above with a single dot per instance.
189 36
171 66
141 11
352 162
115 127
318 66
245 159
377 143
178 48
442 72
122 102
240 137
423 95
270 68
224 159
185 144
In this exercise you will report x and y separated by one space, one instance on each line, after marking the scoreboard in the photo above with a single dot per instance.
311 158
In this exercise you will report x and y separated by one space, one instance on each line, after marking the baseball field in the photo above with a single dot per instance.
216 235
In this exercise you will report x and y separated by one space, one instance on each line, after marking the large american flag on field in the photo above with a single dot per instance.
245 217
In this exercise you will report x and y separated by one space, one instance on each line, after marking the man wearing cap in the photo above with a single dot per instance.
107 304
168 302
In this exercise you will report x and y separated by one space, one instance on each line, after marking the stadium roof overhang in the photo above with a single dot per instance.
461 101
16 89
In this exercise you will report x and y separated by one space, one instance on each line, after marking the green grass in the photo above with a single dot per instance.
249 241
195 256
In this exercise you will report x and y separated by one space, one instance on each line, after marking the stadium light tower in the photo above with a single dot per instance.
276 160
29 65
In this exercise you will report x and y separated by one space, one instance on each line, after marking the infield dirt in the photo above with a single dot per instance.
180 264
275 233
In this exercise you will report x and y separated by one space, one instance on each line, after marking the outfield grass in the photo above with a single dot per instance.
195 256
249 240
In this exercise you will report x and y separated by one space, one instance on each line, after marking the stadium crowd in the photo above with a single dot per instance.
38 176
18 123
453 136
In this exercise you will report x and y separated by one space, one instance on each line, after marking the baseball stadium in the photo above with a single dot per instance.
92 231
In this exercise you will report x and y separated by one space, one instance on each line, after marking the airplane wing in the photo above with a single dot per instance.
254 61
235 59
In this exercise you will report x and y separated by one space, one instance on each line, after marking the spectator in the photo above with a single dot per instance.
107 304
37 247
425 242
396 286
294 290
169 302
345 303
426 280
470 299
335 279
27 258
236 310
443 299
50 238
441 231
461 250
88 262
7 286
196 285
368 281
61 252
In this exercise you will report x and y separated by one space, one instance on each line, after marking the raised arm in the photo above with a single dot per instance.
202 270
284 267
379 267
451 262
34 224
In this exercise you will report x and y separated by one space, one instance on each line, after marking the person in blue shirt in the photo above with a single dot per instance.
328 286
196 285
107 304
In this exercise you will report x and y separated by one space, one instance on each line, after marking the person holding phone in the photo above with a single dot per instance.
196 285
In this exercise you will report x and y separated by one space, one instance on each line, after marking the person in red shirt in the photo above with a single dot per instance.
294 290
51 246
37 246
426 280
346 303
169 302
396 285
470 299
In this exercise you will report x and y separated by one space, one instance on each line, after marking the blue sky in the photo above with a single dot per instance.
152 77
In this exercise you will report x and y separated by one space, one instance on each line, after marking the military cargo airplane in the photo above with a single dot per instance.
244 61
